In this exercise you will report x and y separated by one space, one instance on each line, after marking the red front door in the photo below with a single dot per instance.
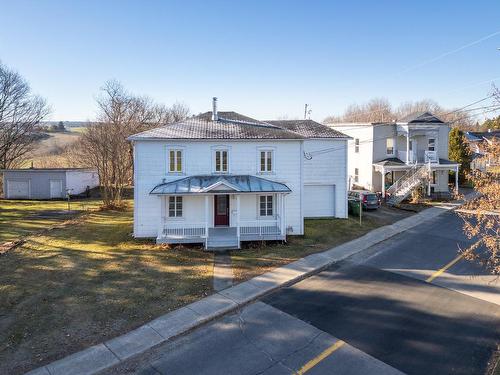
221 210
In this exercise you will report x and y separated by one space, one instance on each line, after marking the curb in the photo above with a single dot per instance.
181 321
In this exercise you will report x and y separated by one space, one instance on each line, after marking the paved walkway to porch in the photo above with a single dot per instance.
223 271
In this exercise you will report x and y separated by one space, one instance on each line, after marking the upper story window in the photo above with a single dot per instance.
389 146
175 161
221 161
266 161
266 205
356 144
175 207
432 144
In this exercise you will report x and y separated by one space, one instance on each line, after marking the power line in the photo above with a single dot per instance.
443 55
309 155
439 115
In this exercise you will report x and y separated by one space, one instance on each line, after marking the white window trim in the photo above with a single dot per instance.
180 217
175 150
221 148
169 148
264 217
393 147
435 143
273 160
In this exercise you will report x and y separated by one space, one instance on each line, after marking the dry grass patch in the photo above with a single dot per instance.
19 218
83 284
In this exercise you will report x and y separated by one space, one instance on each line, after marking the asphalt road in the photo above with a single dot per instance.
406 305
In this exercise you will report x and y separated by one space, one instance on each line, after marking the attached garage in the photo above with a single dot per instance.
319 200
54 183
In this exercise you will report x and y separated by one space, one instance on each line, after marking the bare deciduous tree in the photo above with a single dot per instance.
380 110
104 143
482 215
20 114
376 110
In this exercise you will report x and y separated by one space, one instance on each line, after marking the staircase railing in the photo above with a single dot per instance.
415 176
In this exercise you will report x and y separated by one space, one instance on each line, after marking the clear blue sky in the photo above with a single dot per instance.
261 58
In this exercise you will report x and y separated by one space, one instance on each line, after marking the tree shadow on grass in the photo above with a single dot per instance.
65 291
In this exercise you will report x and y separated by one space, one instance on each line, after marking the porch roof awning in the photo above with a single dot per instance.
390 162
220 184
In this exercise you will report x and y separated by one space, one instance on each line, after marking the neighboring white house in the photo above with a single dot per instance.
221 178
397 157
47 183
478 142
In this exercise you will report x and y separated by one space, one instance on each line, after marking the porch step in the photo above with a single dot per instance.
222 243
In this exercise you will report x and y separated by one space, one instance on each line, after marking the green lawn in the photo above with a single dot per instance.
18 217
83 284
320 235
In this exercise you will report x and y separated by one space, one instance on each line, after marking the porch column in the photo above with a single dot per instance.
163 215
238 218
206 221
429 183
456 179
383 183
408 147
282 216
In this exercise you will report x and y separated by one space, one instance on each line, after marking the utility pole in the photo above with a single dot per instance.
307 111
360 208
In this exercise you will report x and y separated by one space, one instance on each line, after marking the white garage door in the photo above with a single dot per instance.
319 200
18 189
55 188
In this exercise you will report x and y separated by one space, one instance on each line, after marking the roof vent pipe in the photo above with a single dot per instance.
215 116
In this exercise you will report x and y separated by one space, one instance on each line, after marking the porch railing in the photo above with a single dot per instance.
183 230
431 157
260 227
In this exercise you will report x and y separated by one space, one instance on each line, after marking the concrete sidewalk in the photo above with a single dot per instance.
185 319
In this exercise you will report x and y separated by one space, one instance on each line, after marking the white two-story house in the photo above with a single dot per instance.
396 157
221 178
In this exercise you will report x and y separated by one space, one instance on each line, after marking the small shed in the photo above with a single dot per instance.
47 183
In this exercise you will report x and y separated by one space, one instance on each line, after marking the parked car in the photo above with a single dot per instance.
370 200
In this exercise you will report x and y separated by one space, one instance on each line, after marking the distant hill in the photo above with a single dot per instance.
67 124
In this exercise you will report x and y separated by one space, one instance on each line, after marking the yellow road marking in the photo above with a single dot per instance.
440 271
313 362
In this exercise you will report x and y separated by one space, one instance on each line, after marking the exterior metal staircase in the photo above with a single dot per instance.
411 180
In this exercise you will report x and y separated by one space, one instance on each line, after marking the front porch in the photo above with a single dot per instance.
222 237
397 176
222 214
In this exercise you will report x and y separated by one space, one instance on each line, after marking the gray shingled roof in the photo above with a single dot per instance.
390 162
308 128
395 162
203 184
422 116
230 125
480 135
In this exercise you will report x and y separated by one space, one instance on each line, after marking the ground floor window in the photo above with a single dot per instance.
356 175
434 177
175 207
266 205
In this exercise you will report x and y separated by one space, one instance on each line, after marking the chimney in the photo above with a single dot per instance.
215 116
